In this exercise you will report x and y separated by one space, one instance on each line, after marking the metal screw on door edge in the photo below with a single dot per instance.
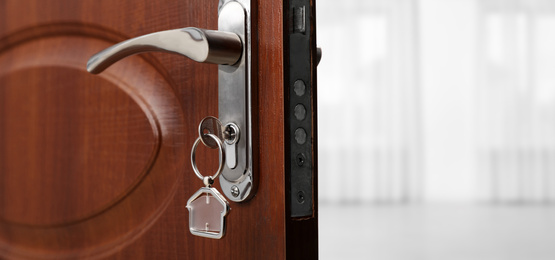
300 197
300 159
234 191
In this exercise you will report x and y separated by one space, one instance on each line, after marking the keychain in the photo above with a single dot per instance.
207 207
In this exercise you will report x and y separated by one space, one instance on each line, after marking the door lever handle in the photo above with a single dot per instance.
230 47
200 45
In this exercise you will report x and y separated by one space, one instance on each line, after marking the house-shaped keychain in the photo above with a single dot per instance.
207 211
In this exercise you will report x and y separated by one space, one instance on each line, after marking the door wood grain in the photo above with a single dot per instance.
97 166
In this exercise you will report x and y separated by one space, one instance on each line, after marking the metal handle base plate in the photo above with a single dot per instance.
234 98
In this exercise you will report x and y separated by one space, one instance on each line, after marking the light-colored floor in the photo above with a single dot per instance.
437 232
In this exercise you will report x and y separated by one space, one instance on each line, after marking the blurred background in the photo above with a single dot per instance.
436 129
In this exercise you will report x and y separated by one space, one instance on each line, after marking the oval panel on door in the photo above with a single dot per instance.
94 159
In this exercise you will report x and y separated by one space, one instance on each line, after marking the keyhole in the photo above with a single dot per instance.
231 133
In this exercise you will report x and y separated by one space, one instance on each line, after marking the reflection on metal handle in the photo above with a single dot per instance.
198 44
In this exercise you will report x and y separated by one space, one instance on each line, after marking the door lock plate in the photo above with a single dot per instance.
234 101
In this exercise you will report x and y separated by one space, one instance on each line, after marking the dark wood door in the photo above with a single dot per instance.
97 166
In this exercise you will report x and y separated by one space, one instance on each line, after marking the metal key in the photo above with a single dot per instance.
210 125
229 134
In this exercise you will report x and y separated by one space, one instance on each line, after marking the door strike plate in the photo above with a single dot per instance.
234 103
301 109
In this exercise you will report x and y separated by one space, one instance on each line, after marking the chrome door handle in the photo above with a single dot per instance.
197 44
230 47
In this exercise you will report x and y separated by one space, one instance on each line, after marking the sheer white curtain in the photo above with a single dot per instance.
369 119
437 100
517 100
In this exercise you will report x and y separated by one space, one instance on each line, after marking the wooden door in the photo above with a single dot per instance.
97 166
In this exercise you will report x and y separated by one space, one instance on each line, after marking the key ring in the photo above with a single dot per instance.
208 180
